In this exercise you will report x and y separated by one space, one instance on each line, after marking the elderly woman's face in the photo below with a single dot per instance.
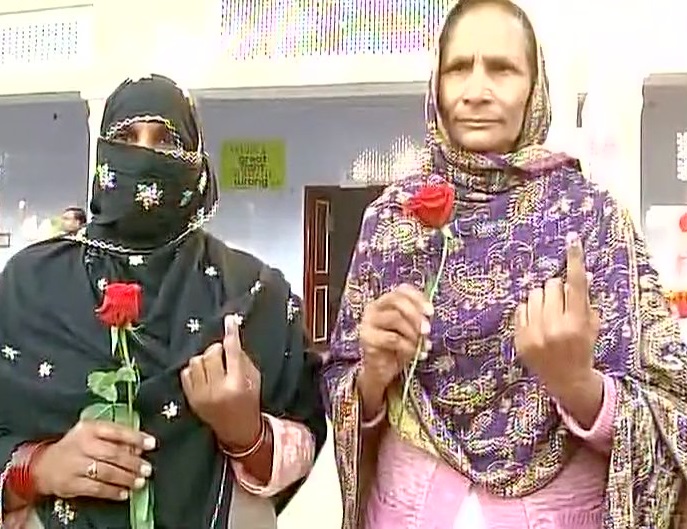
485 80
150 134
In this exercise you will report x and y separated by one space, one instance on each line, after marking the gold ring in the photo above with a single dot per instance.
92 470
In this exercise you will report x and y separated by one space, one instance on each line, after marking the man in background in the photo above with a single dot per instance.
73 219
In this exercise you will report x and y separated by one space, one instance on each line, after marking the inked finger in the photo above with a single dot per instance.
232 342
577 286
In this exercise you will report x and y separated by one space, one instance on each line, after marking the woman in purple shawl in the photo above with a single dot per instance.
553 387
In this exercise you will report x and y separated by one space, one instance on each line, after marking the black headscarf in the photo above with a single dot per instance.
143 198
50 338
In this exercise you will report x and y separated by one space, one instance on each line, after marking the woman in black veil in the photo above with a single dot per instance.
228 394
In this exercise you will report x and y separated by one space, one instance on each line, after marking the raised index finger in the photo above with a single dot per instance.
577 286
232 341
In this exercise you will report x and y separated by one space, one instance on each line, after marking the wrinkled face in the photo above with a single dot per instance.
485 80
150 134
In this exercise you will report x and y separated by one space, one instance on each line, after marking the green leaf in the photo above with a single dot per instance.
121 416
142 508
98 412
102 384
126 374
429 283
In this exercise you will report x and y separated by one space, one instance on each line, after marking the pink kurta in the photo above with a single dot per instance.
415 490
293 456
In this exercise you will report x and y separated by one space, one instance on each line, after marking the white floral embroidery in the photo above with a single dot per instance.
198 218
64 512
202 182
135 260
106 177
257 287
211 271
102 284
170 410
10 353
186 198
292 309
45 370
193 325
148 195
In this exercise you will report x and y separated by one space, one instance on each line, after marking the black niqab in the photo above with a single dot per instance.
144 198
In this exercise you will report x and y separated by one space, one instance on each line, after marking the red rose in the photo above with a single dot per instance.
681 309
683 223
432 205
121 305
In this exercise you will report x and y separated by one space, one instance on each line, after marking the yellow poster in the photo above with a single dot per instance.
253 164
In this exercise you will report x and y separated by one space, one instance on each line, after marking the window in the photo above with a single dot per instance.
373 167
298 28
33 43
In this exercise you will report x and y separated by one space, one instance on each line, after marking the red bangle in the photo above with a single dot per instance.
20 479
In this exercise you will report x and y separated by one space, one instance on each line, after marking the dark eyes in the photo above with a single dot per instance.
163 138
501 67
492 66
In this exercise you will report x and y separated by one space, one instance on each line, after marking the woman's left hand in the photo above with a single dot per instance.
226 399
556 329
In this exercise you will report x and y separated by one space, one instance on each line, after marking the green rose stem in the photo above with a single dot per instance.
124 346
410 373
124 349
119 310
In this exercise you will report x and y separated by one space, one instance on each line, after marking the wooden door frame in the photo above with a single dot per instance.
310 195
308 252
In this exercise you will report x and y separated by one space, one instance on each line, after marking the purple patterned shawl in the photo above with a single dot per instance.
473 404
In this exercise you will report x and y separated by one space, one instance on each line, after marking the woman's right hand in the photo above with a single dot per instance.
390 331
96 459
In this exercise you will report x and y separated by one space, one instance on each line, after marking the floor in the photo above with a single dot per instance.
318 503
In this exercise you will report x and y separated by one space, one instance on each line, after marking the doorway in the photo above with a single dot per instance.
332 217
